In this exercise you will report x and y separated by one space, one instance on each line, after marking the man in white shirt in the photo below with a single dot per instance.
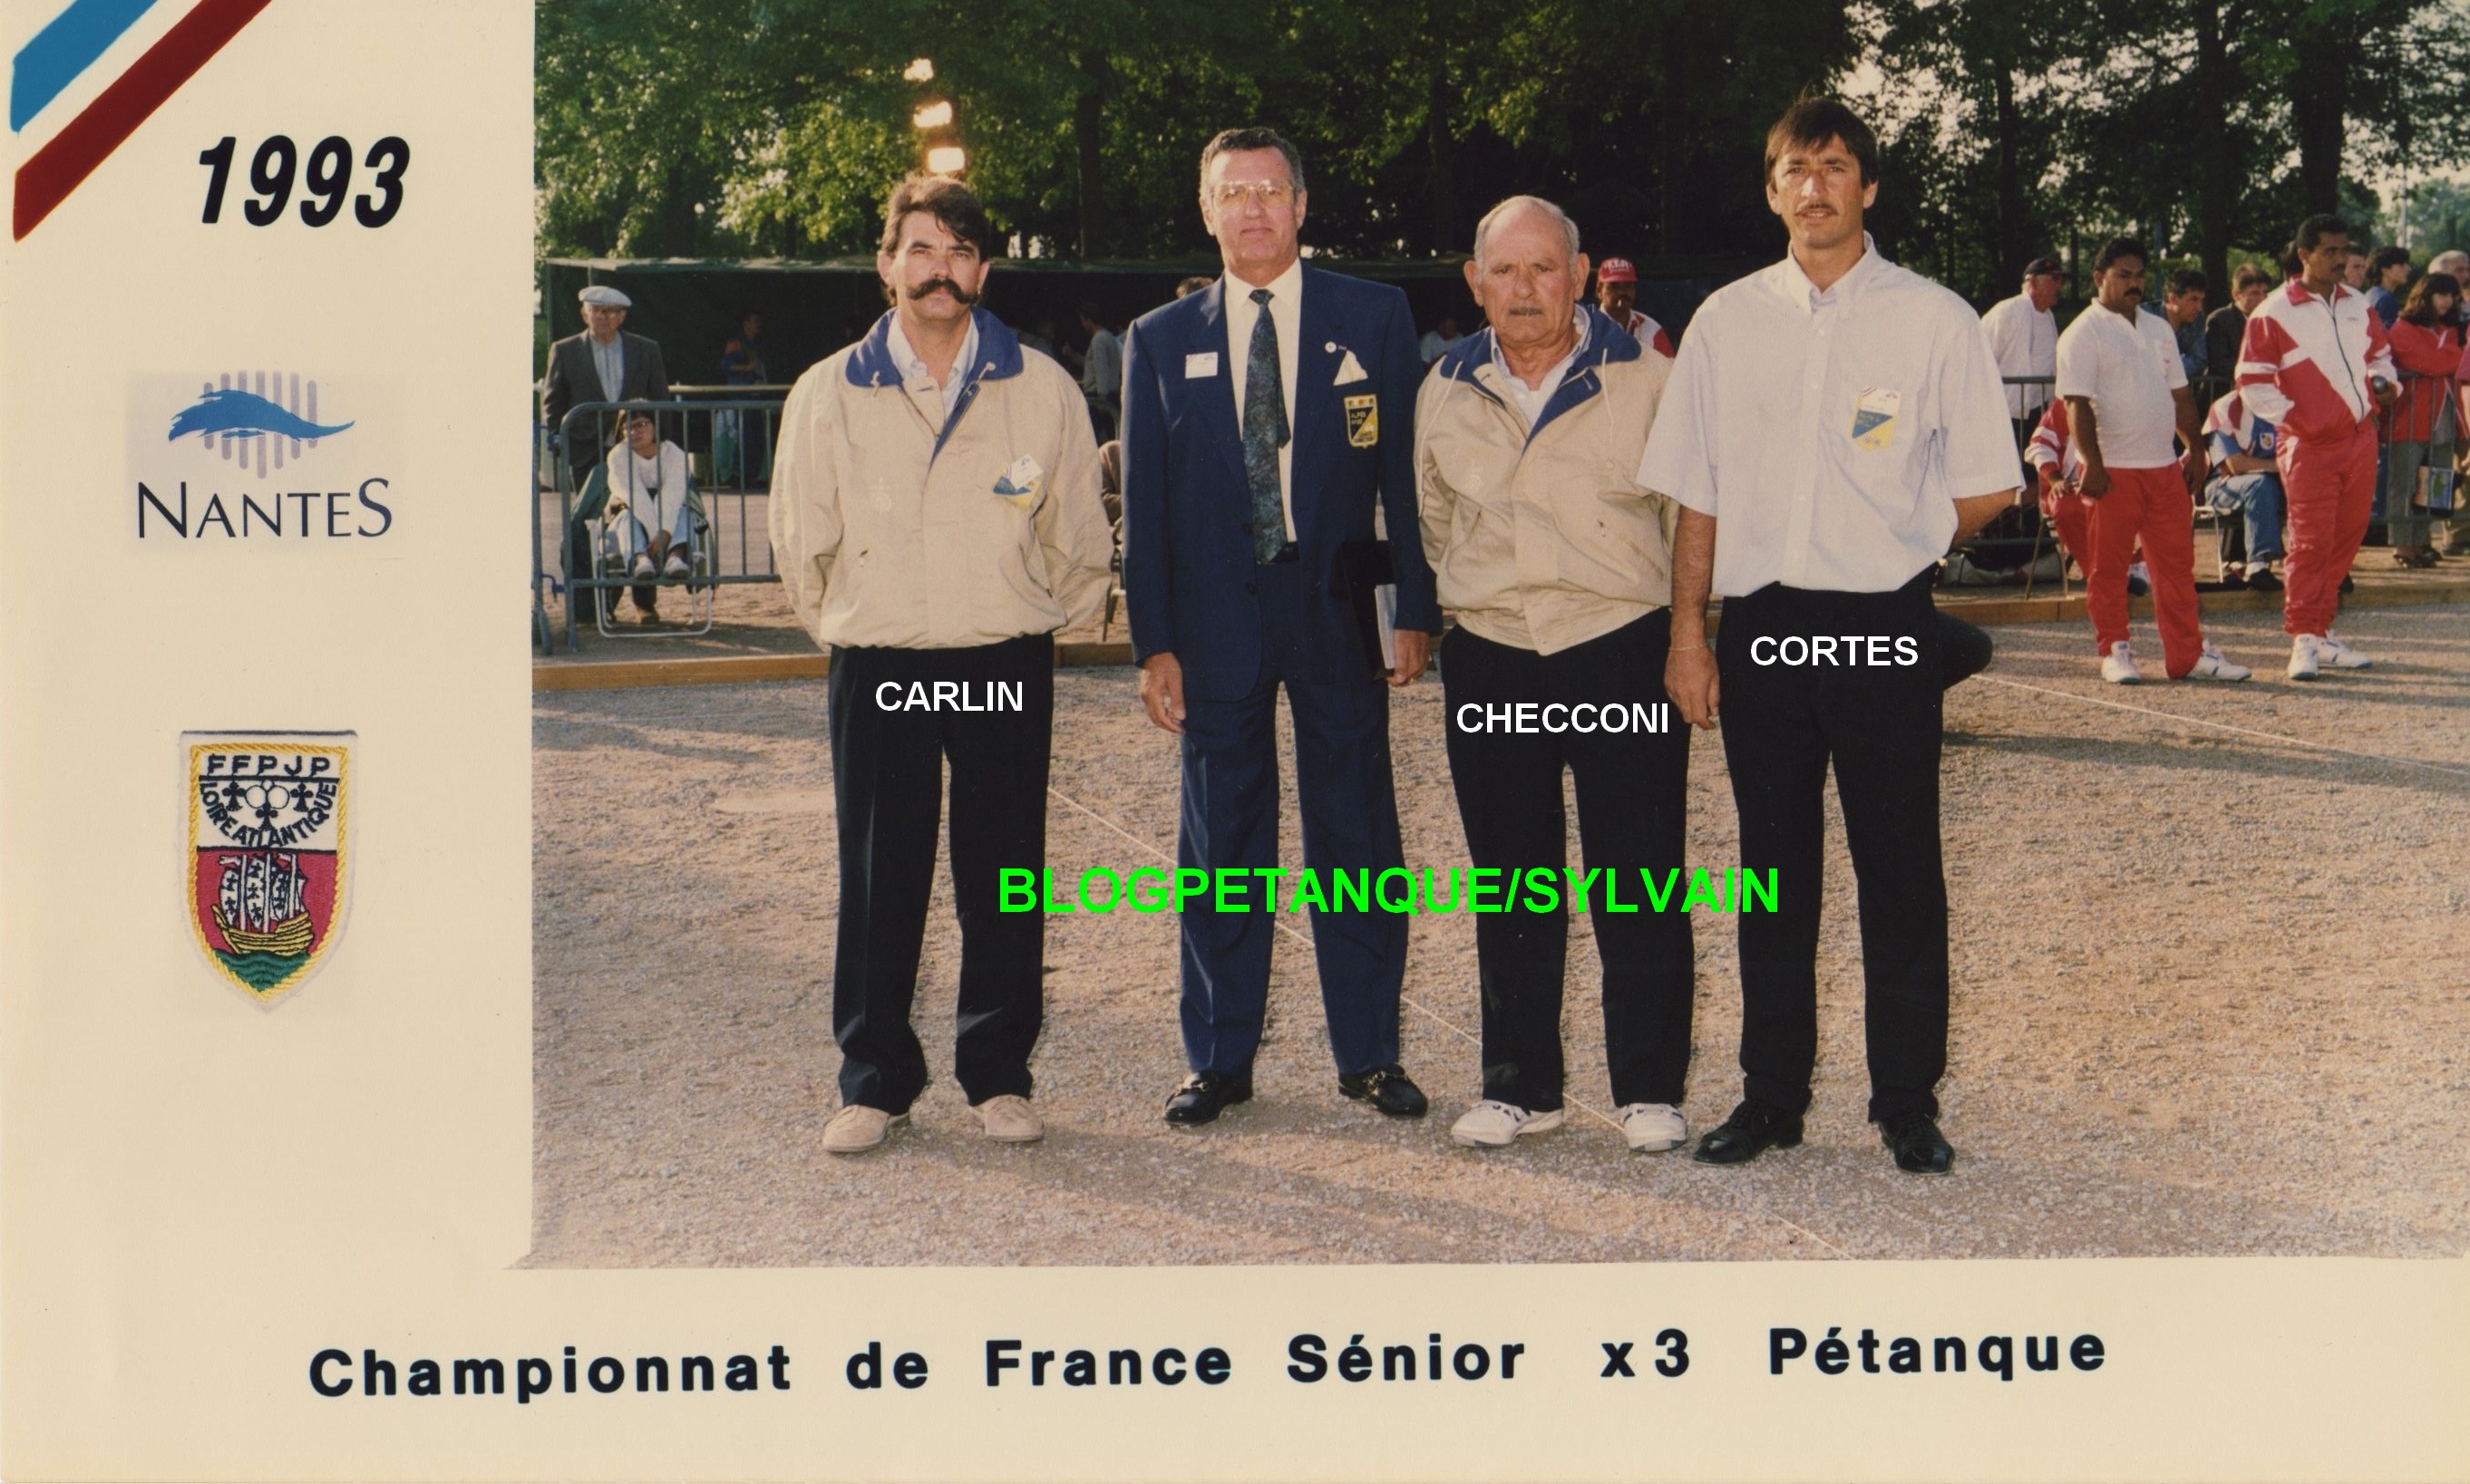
2024 337
1833 424
2126 391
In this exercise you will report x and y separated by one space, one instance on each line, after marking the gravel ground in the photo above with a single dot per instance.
2209 1000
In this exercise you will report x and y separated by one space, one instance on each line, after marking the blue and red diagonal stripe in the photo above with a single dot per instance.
69 45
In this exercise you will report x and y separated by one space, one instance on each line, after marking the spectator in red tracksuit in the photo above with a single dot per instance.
2126 391
2316 364
2427 347
2052 452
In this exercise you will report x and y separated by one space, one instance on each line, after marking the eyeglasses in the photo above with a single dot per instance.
1229 196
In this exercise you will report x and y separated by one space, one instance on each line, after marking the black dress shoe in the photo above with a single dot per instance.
2264 581
1753 1128
1919 1147
1388 1088
1205 1095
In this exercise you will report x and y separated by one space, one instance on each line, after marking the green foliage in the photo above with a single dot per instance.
775 126
2192 124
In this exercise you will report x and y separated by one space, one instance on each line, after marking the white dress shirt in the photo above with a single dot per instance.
1532 401
1831 433
2026 342
921 382
2127 367
1287 313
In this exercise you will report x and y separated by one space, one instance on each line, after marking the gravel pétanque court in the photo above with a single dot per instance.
2210 999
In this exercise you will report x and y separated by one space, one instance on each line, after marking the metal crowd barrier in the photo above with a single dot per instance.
729 442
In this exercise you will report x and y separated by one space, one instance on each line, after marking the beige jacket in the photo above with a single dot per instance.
1545 542
892 528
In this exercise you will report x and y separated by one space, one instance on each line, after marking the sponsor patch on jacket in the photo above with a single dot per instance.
268 859
1364 420
1021 482
1873 417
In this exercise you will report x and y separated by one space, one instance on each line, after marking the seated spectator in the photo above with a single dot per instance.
1111 479
2387 270
2052 453
1440 339
648 526
2427 345
2245 482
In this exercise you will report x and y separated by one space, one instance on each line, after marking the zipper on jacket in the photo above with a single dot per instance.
2345 351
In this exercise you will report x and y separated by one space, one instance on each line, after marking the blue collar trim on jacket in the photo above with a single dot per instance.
871 364
1606 342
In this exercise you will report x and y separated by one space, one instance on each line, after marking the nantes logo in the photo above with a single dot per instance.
268 852
270 458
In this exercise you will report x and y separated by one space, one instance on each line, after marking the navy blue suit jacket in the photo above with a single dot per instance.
1189 570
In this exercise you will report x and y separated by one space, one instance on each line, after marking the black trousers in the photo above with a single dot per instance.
1879 724
1632 791
888 793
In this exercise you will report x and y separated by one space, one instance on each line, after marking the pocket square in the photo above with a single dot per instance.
1349 369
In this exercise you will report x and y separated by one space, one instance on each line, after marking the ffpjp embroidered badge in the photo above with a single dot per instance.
268 852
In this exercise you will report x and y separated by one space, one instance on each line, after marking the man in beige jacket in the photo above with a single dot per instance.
935 518
1557 564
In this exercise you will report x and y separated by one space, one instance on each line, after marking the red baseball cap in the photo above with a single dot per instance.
1617 270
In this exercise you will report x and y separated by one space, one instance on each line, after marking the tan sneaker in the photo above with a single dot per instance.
857 1128
1011 1120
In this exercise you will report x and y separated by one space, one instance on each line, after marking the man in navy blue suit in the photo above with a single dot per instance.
1265 418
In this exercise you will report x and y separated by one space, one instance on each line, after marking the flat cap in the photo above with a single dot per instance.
606 296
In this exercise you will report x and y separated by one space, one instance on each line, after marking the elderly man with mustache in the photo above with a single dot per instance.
935 515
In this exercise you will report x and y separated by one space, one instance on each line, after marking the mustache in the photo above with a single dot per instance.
921 291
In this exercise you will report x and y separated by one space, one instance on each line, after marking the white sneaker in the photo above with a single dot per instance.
857 1128
1494 1124
1651 1128
2119 667
677 566
643 565
2305 649
1011 1120
2339 655
2210 665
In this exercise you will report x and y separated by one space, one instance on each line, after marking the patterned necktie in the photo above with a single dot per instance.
1265 432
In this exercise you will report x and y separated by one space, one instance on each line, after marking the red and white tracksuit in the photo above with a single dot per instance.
2306 367
2052 451
1644 329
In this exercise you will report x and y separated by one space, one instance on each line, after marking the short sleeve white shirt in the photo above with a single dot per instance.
1831 433
2125 367
2026 342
